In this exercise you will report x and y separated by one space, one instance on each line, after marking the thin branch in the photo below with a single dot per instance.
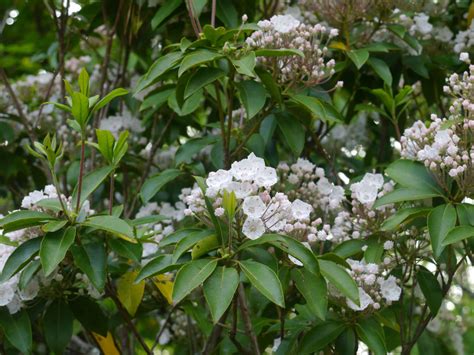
247 320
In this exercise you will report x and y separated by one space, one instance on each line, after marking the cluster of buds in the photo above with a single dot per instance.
309 64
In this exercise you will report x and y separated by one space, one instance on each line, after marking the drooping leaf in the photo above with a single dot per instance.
90 183
113 225
320 336
197 57
89 314
156 266
158 68
358 57
457 234
265 280
132 251
23 219
219 289
371 333
293 133
201 78
402 216
91 259
164 11
431 289
57 325
17 329
381 69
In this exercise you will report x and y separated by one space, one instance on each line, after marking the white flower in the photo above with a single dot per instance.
301 210
267 177
464 57
253 206
253 228
218 179
219 212
241 189
284 23
364 299
366 190
247 169
374 179
388 245
389 289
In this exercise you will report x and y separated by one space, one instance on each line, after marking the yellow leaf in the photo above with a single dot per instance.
106 344
470 15
165 285
338 45
129 293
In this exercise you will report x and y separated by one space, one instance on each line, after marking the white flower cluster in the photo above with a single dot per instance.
464 40
286 32
375 288
251 182
123 121
155 232
445 146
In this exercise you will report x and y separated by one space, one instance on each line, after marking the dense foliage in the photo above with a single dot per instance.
226 176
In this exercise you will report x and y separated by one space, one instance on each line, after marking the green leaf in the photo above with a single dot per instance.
54 247
156 100
245 65
53 226
349 248
288 245
57 325
106 140
227 13
156 266
165 10
186 152
17 329
132 251
155 183
270 84
372 334
197 57
84 82
314 290
457 234
358 57
399 30
188 242
19 258
319 109
80 108
403 216
109 97
191 276
431 289
405 194
91 259
201 78
412 174
52 204
158 68
265 280
440 221
90 183
219 289
204 246
23 219
339 277
111 224
89 314
253 97
278 52
465 214
320 336
175 237
58 105
382 70
293 133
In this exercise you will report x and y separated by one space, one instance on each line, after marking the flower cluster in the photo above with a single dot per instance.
445 145
464 40
286 32
375 287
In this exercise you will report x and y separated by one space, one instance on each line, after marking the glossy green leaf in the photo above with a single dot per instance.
371 333
192 275
405 194
112 225
204 246
358 57
264 280
382 70
186 152
245 65
403 216
431 289
90 183
197 57
53 226
458 234
320 336
440 221
219 289
266 52
293 133
124 248
89 314
158 68
23 219
164 11
155 183
314 290
109 97
91 259
156 266
339 277
253 96
17 329
19 258
189 241
57 326
54 247
319 109
201 78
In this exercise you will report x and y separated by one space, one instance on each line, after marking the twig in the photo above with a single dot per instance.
213 13
81 173
247 320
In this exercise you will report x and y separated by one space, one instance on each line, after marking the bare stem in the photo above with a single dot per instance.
81 174
247 320
111 192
